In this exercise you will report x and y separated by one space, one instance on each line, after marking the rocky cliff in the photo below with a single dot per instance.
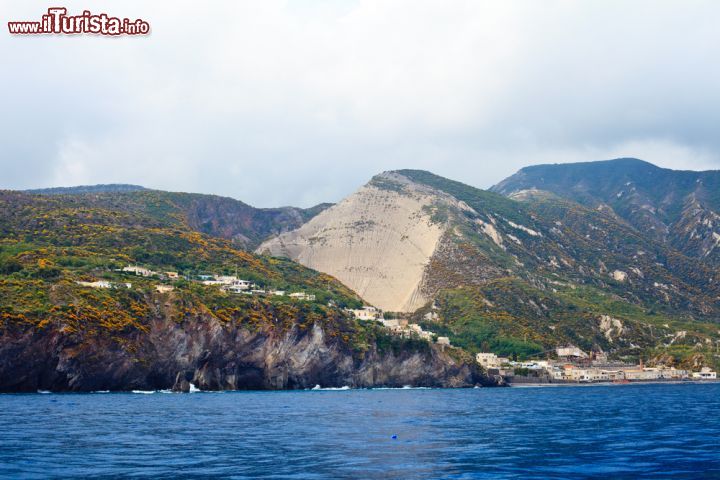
212 355
72 319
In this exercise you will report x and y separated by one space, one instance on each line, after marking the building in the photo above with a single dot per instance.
569 352
705 374
139 271
104 284
445 341
673 374
415 329
237 286
585 374
97 284
642 374
229 283
302 296
172 275
164 288
366 313
534 365
219 280
490 360
393 324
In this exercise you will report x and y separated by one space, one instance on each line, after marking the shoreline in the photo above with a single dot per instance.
351 389
612 384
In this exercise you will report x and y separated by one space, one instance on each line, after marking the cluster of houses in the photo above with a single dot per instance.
145 272
572 366
399 327
228 283
233 284
575 366
104 284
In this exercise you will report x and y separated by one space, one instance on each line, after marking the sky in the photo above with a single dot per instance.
300 102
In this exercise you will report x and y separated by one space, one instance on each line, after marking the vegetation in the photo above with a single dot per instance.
50 243
511 318
677 208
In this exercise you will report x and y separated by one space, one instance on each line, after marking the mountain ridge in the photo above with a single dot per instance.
676 207
563 260
214 215
80 189
512 273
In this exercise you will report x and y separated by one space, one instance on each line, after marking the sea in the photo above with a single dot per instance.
569 432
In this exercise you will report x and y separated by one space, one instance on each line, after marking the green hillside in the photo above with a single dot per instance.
49 243
560 270
677 208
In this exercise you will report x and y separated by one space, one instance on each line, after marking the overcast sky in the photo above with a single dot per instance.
299 102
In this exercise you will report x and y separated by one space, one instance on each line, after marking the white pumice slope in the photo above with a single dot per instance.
377 241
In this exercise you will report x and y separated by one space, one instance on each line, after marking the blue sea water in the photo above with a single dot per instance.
628 431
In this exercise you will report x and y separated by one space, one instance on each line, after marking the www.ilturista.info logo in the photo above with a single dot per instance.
57 21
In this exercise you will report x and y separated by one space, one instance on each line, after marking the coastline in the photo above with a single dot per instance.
356 389
613 384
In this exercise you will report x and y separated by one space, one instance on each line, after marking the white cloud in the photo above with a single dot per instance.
277 102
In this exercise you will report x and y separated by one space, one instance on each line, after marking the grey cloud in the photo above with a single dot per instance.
277 103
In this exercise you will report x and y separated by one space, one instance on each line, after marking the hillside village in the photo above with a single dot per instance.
234 285
228 283
399 327
575 366
571 366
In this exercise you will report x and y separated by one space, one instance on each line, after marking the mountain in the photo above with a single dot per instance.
70 319
514 276
678 208
224 217
378 241
109 188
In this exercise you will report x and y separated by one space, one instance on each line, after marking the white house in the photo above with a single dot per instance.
490 360
302 296
97 284
570 351
237 286
705 374
139 271
586 375
367 313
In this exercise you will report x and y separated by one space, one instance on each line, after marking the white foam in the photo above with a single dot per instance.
406 387
193 388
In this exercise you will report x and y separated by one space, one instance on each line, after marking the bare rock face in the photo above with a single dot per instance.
378 241
205 354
